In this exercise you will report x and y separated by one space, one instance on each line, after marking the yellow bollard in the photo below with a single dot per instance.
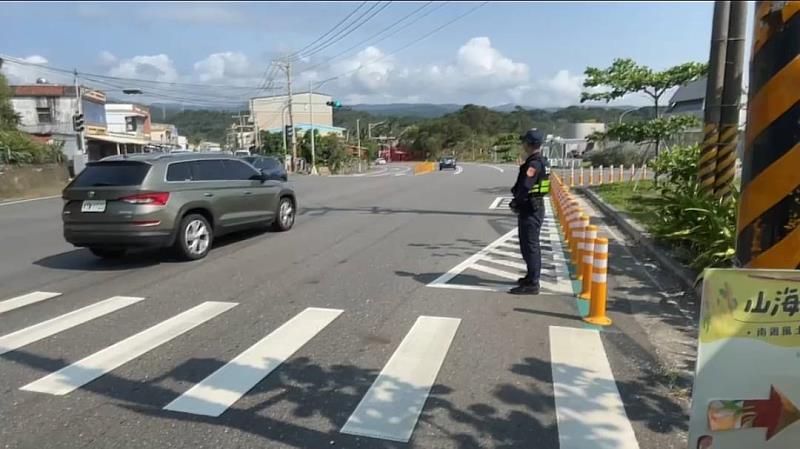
601 175
571 212
574 223
580 177
589 236
633 172
621 173
591 175
644 172
580 240
597 304
572 176
611 174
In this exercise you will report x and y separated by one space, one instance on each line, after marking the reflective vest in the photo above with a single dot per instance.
542 186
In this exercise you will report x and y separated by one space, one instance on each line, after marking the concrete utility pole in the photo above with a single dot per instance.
769 210
311 122
287 67
716 75
358 136
78 99
725 169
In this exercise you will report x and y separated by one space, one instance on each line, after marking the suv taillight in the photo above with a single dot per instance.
156 199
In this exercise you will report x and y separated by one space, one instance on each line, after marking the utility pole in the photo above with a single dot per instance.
311 123
725 168
291 113
358 136
716 76
768 229
79 101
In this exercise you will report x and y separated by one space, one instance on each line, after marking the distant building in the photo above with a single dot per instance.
164 135
271 113
183 143
128 127
209 146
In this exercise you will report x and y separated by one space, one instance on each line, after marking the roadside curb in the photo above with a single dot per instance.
643 238
10 201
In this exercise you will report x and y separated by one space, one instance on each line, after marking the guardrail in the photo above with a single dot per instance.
605 175
588 252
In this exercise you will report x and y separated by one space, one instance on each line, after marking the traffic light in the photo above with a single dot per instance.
78 123
288 131
335 104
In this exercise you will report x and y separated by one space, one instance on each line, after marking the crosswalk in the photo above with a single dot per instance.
497 266
501 202
386 411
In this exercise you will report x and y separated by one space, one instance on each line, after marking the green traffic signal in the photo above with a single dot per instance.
334 104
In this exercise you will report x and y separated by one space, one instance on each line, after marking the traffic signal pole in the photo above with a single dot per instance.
79 101
769 211
716 73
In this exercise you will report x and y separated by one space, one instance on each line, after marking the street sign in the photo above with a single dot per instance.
747 385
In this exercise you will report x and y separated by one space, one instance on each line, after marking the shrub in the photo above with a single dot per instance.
614 156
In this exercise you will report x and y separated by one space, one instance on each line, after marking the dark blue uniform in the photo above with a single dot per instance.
530 206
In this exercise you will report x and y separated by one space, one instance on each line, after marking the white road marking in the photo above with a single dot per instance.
501 202
24 300
217 392
61 323
392 406
90 368
493 166
480 288
9 203
456 270
589 408
495 271
458 171
496 202
507 263
506 253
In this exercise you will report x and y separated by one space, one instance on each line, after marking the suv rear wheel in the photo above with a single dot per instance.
194 237
285 217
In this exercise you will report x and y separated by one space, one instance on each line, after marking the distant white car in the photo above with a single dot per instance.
380 161
241 153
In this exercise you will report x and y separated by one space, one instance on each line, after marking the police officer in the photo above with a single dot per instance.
533 183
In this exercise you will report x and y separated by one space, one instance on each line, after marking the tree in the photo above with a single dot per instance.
272 143
9 119
194 141
624 77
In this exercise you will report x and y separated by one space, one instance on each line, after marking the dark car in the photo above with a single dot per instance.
182 201
447 162
269 165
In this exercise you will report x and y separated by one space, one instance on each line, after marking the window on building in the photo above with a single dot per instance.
45 114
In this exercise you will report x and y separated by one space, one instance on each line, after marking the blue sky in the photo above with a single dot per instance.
527 53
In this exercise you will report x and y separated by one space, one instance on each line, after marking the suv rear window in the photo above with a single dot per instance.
112 174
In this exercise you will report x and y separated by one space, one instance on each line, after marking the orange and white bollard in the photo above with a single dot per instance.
644 172
580 240
597 304
601 175
633 172
580 177
572 176
575 236
589 236
591 175
571 212
621 173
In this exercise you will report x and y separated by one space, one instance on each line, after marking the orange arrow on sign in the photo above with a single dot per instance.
773 414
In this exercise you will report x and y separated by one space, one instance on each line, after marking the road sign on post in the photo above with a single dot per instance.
747 388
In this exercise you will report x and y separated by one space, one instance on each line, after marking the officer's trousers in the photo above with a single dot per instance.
530 226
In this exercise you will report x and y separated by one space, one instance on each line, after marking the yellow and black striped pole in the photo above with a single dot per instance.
769 211
725 166
713 99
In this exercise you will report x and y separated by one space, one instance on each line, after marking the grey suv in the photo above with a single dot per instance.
170 200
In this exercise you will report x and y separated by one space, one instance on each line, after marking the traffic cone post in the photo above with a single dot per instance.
590 234
597 304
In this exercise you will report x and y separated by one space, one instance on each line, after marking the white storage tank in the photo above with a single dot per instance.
583 130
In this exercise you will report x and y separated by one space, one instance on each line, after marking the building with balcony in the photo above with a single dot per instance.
164 135
271 113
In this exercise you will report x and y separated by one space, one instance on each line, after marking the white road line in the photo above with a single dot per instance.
507 263
217 392
90 368
510 244
496 202
9 203
456 270
495 272
61 323
392 406
458 171
24 300
506 253
589 408
492 166
480 288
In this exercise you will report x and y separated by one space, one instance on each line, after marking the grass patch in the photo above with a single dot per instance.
639 204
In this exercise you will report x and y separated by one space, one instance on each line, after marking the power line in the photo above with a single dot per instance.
359 44
298 55
421 38
359 25
329 31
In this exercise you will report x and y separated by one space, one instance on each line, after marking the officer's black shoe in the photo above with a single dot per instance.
525 290
524 281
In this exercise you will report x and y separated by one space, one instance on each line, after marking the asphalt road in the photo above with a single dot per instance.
363 245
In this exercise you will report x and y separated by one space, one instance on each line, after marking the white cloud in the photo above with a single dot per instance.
107 58
156 67
27 74
224 67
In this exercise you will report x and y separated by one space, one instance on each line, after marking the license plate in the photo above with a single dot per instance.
93 206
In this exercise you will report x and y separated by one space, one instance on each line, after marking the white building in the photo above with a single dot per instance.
129 120
272 113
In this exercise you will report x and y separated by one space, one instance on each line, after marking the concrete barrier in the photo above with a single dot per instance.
424 167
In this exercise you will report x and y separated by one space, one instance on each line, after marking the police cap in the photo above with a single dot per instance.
533 136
